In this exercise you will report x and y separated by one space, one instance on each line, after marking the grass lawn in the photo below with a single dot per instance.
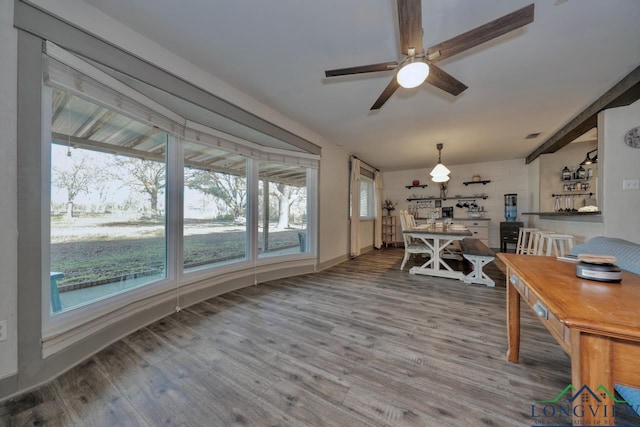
109 251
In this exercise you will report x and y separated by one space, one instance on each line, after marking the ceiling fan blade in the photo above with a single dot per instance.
384 66
445 81
410 20
482 34
386 93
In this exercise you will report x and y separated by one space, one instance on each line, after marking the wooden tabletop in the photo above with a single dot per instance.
444 231
608 308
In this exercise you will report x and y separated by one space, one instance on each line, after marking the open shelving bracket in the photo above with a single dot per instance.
572 194
483 182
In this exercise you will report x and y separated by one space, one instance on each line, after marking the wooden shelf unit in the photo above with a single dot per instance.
389 230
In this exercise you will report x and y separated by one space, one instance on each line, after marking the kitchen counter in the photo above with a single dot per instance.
471 219
569 216
562 213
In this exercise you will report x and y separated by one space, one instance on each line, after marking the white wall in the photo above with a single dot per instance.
334 204
366 234
533 173
508 176
621 207
8 188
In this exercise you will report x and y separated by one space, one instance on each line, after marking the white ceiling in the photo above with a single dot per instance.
534 79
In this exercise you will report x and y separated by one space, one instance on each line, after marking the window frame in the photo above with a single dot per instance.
370 202
55 323
61 329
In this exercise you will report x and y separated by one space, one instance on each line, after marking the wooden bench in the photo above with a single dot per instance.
479 255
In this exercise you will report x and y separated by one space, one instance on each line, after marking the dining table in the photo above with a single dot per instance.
438 238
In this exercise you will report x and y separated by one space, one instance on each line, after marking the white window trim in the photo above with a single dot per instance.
371 212
215 138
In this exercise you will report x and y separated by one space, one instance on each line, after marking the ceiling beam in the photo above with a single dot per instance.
625 92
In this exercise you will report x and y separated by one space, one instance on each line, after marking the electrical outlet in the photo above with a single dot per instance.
3 330
631 184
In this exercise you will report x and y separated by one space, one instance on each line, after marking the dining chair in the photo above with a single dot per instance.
411 246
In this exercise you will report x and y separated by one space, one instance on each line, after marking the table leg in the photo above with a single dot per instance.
591 367
513 322
436 266
478 275
436 254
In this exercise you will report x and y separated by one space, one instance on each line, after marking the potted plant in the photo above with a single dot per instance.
389 206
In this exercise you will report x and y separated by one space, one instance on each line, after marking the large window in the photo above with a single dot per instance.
215 207
282 207
108 175
142 200
367 208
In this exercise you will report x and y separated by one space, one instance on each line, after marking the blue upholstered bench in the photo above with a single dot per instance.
628 255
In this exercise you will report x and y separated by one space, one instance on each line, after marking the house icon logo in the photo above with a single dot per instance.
585 394
572 404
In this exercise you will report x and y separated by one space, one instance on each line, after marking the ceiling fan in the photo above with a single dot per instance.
419 65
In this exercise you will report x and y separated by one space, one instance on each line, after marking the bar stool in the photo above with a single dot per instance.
524 236
559 244
536 242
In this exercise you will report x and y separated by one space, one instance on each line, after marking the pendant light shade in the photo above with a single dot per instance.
441 178
440 172
412 74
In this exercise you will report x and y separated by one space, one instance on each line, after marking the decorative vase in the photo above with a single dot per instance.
443 191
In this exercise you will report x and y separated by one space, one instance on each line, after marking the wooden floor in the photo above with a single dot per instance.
360 344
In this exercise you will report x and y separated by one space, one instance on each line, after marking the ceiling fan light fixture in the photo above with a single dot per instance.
413 74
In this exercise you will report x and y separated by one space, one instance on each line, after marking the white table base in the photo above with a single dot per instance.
477 275
433 267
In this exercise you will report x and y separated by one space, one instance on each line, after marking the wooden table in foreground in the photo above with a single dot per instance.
597 324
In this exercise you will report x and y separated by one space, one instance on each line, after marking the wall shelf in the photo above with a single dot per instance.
483 182
577 180
416 186
447 198
571 194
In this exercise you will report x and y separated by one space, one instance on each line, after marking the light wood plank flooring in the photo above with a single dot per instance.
361 344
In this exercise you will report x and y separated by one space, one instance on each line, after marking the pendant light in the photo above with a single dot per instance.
589 160
440 173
